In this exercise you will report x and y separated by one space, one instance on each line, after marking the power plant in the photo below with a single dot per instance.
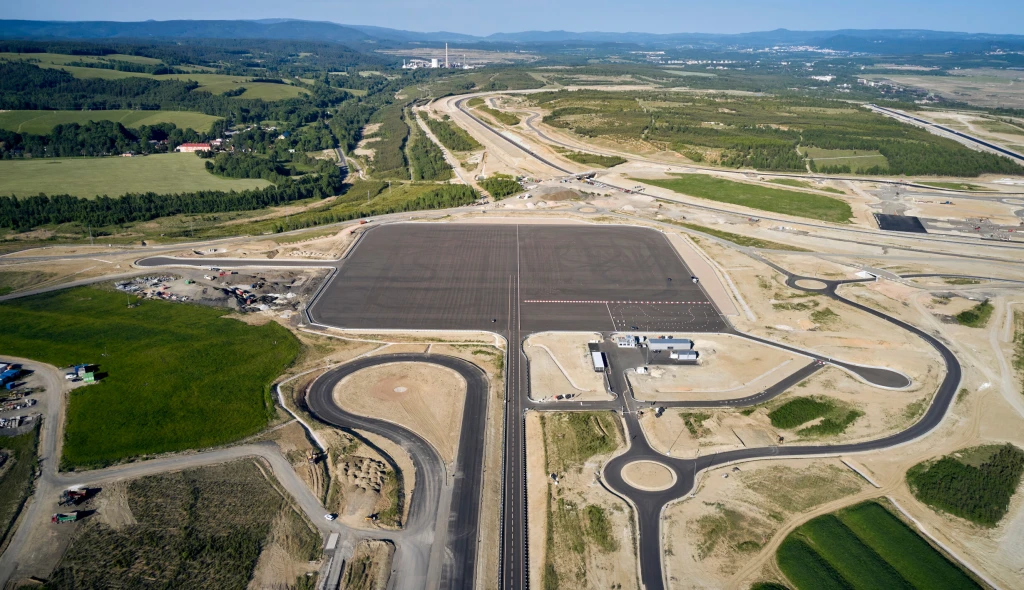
435 62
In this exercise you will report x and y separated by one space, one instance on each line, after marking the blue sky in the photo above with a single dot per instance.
482 17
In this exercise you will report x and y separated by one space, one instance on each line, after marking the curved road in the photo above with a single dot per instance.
423 551
649 505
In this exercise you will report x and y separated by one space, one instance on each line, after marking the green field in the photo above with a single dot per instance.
177 376
41 122
595 159
757 197
215 83
114 176
865 546
59 59
801 410
856 159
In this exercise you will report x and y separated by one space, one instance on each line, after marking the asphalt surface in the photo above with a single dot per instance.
649 505
457 276
457 546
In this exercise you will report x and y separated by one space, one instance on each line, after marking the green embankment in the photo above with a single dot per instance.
737 238
173 376
753 196
865 546
112 176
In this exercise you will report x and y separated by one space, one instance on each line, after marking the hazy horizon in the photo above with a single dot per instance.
649 16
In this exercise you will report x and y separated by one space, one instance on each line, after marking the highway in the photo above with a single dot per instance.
928 124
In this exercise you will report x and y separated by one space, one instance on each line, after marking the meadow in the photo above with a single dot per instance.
214 83
865 546
763 198
42 122
174 376
114 176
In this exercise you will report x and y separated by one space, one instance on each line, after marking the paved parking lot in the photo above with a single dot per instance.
466 276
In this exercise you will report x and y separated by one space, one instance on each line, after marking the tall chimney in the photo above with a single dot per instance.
446 56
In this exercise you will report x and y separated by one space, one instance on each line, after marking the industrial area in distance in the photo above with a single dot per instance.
295 305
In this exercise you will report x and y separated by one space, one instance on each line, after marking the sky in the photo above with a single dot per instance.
483 17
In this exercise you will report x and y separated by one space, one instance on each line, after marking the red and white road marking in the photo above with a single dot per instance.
616 302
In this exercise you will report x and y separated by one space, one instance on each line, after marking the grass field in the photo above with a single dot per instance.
958 186
757 197
578 436
11 281
62 59
865 546
177 376
595 159
114 176
41 122
215 83
855 159
200 528
801 410
16 483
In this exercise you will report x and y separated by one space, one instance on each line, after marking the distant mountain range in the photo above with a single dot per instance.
884 41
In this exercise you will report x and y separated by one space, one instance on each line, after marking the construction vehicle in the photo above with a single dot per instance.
72 496
61 518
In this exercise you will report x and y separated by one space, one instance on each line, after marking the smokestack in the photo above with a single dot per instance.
446 56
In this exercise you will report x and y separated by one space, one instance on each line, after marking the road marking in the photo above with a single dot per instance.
607 302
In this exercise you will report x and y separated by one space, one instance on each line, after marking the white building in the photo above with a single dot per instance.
676 344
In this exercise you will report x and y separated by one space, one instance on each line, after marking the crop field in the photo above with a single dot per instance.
865 546
114 176
41 122
200 528
765 133
763 198
174 376
16 482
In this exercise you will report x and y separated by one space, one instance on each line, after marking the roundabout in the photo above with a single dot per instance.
649 476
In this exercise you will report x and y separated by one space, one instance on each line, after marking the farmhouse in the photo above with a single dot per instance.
193 147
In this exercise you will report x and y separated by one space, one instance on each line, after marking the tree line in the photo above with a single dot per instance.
427 159
443 197
96 138
25 213
452 137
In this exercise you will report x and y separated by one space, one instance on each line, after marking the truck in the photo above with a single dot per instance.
61 517
598 360
72 496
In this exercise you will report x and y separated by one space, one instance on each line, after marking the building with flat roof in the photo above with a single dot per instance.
656 344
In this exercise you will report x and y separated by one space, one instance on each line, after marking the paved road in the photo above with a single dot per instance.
649 505
928 124
426 544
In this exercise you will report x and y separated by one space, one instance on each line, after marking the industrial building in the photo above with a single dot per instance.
660 344
683 355
627 341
